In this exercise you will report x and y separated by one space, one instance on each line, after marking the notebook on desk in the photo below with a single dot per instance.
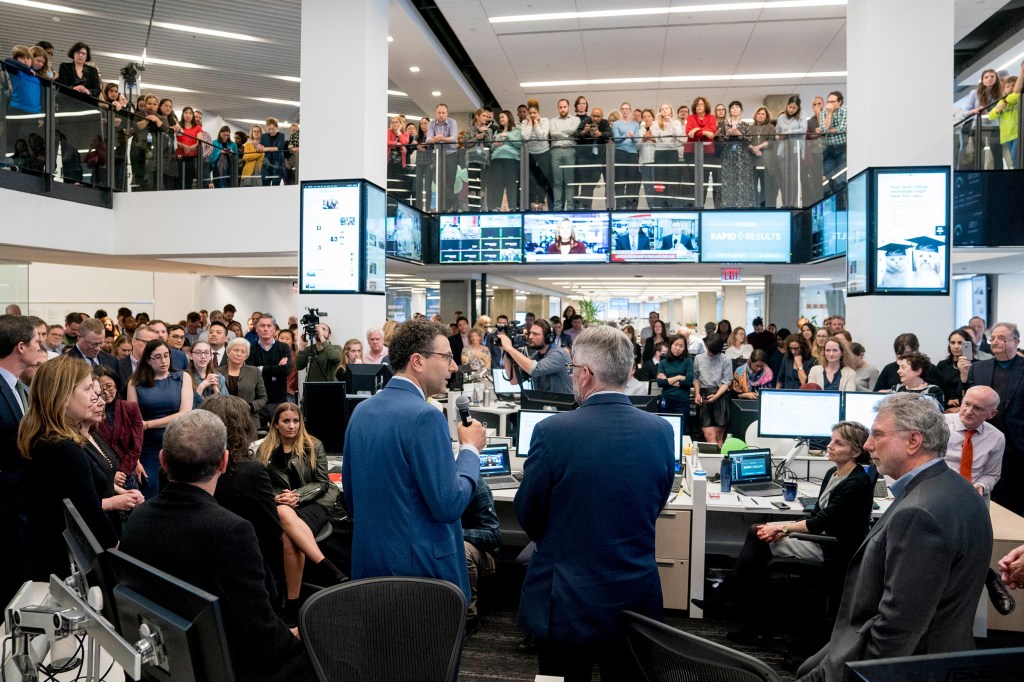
496 468
752 474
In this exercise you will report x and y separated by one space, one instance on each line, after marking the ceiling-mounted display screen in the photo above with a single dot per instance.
375 210
480 238
404 232
565 237
330 240
745 237
661 237
857 264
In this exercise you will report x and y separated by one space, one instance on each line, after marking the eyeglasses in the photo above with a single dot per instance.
571 367
177 336
161 356
449 357
202 353
882 434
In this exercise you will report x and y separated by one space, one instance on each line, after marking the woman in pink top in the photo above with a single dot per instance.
187 147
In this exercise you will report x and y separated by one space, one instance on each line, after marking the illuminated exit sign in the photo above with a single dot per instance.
731 275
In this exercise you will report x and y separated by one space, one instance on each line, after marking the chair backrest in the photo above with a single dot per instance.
664 653
385 629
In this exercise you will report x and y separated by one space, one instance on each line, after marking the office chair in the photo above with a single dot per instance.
664 653
385 630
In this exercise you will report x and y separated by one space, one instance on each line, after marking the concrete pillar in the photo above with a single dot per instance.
707 309
454 297
537 304
782 301
353 33
504 303
734 305
876 320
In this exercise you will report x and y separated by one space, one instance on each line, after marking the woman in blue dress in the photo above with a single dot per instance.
163 396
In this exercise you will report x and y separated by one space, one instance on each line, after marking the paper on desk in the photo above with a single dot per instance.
755 502
728 498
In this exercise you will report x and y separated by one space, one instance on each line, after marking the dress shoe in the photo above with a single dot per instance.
745 636
473 625
1001 598
527 645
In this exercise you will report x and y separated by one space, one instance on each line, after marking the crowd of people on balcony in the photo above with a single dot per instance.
993 107
188 157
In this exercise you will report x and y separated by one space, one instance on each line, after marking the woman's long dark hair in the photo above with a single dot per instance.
144 375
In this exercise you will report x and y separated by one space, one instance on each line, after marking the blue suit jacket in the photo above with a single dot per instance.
593 560
404 489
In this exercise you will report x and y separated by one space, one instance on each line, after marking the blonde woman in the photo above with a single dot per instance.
668 136
252 159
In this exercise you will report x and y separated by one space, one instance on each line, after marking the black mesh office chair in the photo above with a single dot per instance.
665 654
385 630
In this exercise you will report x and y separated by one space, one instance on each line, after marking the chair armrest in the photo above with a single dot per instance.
819 539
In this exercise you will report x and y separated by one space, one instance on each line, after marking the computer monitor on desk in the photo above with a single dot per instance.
528 419
798 414
647 403
860 407
676 422
367 378
538 400
505 389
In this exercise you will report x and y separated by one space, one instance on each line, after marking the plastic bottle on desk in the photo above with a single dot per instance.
726 474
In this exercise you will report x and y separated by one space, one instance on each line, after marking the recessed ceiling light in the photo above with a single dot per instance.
290 79
261 122
687 9
414 69
49 7
390 39
153 60
398 93
209 32
436 93
167 88
685 79
271 100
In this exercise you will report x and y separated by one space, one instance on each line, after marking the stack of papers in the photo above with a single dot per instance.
755 502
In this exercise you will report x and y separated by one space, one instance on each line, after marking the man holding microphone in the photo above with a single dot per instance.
403 488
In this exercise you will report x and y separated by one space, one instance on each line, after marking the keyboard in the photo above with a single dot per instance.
518 475
766 489
808 503
501 482
677 483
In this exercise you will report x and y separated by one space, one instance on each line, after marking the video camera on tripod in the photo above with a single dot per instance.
309 323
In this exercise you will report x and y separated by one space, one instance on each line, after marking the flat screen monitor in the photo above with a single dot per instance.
503 386
913 236
798 414
982 216
187 618
676 422
859 407
565 237
375 210
825 229
405 233
857 264
480 238
366 378
330 237
647 403
986 665
538 400
326 412
528 419
89 566
745 236
661 237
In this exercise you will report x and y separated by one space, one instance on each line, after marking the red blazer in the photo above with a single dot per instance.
578 247
400 141
695 128
125 437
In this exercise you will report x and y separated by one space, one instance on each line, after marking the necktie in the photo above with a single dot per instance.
967 455
216 358
22 391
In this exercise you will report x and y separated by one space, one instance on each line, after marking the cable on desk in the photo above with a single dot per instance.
3 656
109 668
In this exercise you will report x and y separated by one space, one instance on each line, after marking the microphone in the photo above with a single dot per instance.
462 405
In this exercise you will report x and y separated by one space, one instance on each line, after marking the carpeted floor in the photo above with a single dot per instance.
490 654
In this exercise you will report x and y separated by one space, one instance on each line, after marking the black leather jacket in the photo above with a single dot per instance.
295 473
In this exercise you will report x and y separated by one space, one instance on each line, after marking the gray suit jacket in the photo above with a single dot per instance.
250 389
913 585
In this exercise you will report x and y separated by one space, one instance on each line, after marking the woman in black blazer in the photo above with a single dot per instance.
58 467
78 75
842 511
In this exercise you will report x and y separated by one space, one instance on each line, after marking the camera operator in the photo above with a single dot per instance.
545 365
320 360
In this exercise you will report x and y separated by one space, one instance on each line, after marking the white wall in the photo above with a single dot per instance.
1009 292
274 296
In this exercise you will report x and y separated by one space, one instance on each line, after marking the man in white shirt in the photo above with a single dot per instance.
976 447
377 352
648 331
563 155
694 344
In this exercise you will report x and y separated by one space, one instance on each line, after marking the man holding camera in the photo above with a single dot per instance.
545 365
321 360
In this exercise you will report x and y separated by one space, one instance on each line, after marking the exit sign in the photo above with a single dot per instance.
731 275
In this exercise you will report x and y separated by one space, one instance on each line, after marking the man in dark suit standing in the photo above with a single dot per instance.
912 587
274 358
184 532
460 339
404 490
19 350
635 238
1004 373
589 567
126 366
89 346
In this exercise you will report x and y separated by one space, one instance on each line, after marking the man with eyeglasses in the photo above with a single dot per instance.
404 490
1004 373
586 570
126 366
546 364
834 128
912 587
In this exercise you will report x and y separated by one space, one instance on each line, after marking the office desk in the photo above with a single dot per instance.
1007 533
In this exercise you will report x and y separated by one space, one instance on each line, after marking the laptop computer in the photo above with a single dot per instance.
752 474
707 448
496 469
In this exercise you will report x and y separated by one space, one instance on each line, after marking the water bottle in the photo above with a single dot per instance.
726 474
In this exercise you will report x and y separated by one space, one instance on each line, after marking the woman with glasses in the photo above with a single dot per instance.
796 364
121 428
205 378
163 396
244 380
58 467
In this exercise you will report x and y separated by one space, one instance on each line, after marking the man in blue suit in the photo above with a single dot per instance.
19 350
588 567
90 343
404 489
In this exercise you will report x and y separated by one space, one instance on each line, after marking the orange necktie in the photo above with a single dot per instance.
967 455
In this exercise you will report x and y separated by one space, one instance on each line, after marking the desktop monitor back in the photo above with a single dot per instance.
984 665
89 564
647 403
188 620
366 378
539 400
326 413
